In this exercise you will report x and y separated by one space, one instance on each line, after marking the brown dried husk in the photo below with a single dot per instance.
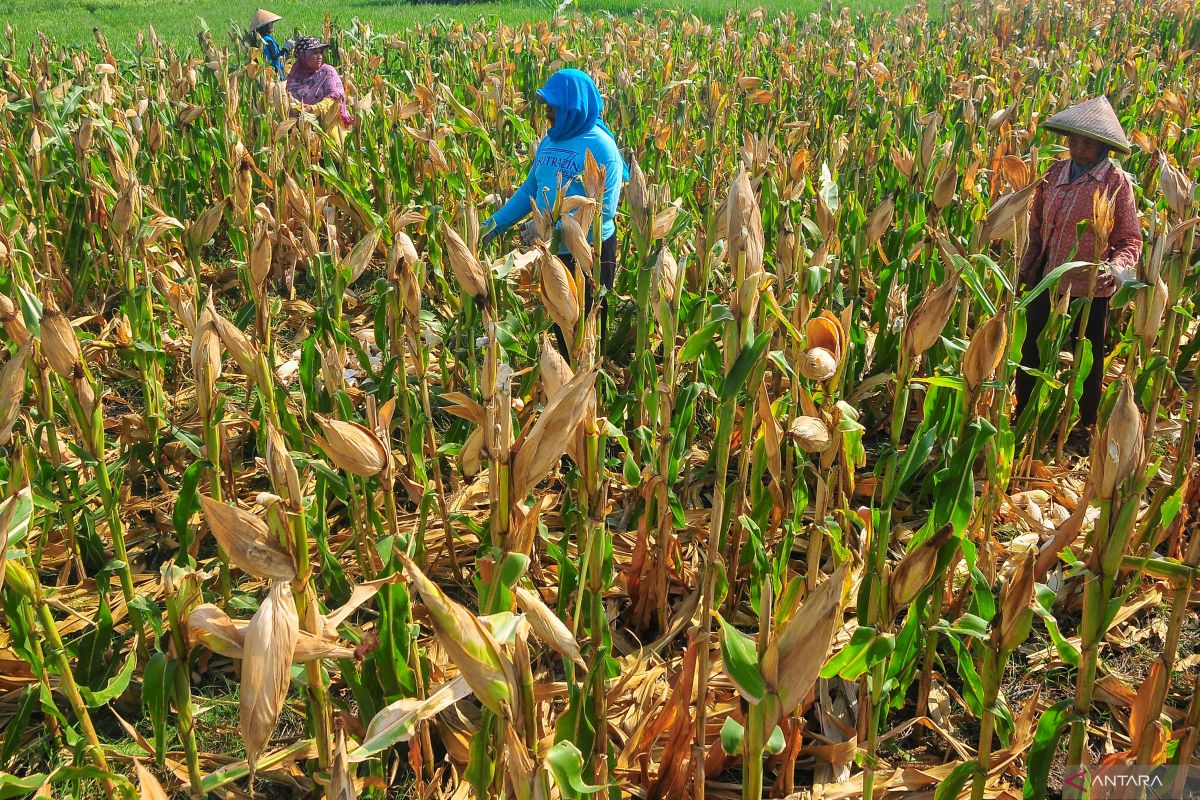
60 346
577 242
12 388
266 668
926 322
559 293
915 570
247 541
793 659
818 364
985 350
280 467
352 447
13 324
811 433
465 265
555 371
210 626
1119 445
547 441
547 626
880 220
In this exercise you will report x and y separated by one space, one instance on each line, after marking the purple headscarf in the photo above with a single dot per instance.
311 86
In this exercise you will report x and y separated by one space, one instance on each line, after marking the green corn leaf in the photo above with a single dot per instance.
866 648
736 378
954 783
158 678
566 765
732 733
740 656
115 688
776 742
1053 723
20 785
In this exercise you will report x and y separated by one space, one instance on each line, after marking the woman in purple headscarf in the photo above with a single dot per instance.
318 87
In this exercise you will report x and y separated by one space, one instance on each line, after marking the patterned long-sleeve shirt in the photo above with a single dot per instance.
1059 205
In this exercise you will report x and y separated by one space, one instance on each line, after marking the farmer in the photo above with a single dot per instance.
261 27
318 87
573 105
1063 201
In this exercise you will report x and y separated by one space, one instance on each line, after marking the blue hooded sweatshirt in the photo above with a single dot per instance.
560 156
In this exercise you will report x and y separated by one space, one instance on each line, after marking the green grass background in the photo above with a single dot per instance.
178 21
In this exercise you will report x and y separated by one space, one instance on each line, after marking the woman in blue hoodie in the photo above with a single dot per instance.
574 106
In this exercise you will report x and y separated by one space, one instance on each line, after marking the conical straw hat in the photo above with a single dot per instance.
1094 119
263 17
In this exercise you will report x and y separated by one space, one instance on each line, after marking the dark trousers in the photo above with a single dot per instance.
1037 315
608 274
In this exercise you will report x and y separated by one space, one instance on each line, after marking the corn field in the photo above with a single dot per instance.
300 500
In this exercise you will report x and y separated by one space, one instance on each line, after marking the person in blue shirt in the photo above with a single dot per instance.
574 106
261 26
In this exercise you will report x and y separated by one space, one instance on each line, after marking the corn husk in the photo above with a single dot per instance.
266 668
744 230
1015 613
260 257
246 539
818 364
547 626
280 467
944 187
1007 212
206 356
880 220
1176 187
244 352
468 643
577 242
1119 446
916 569
12 388
985 351
1148 312
559 293
13 324
470 456
555 371
826 332
793 660
550 436
341 779
352 447
60 346
811 433
926 322
202 229
210 626
465 265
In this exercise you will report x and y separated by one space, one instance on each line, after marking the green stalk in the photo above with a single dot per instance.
27 584
306 601
183 697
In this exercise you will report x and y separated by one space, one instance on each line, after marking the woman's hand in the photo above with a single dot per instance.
529 234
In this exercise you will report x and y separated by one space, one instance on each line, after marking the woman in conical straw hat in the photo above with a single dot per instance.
1064 200
262 25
